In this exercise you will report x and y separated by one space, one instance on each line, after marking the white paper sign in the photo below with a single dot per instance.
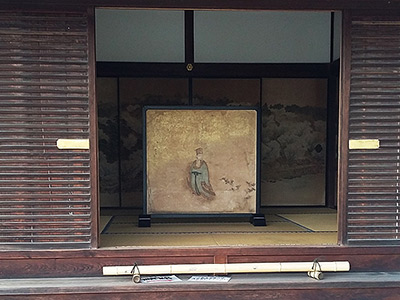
210 278
153 279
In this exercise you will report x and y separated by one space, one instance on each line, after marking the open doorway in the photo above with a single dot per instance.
291 78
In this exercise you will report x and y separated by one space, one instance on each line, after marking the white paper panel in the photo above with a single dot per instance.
139 35
263 37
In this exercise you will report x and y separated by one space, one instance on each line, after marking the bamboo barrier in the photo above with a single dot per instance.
310 267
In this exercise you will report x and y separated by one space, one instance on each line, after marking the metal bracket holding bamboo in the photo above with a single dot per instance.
313 270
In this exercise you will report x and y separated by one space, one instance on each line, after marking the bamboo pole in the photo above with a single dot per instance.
334 266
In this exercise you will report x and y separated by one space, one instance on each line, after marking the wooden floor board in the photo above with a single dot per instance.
244 282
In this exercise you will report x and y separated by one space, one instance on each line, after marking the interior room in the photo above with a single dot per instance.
283 64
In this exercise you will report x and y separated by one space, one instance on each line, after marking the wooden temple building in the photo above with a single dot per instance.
69 202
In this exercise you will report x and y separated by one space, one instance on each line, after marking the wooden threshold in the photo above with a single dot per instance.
82 263
361 285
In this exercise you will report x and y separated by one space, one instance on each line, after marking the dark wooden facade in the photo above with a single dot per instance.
49 205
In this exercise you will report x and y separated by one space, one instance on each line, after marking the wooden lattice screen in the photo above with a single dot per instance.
45 198
373 175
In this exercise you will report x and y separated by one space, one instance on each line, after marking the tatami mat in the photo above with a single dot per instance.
104 220
277 238
315 222
297 210
150 240
233 239
292 226
116 228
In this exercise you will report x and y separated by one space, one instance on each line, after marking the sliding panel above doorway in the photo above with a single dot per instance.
139 35
262 37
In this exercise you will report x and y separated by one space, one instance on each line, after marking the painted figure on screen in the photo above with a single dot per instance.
199 177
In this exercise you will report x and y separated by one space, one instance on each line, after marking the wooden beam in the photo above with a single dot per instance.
94 139
214 70
343 126
90 262
221 4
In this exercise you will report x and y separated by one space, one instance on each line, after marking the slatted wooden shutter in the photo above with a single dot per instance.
45 197
374 175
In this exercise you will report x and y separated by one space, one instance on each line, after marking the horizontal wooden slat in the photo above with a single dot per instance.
46 182
43 238
47 133
37 231
38 75
52 126
35 161
44 188
43 217
12 111
43 175
51 101
37 197
74 209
